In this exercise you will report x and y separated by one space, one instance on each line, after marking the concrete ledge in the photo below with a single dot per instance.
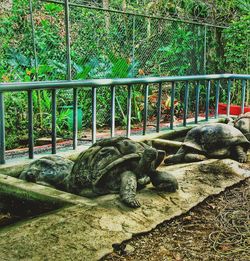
87 232
31 191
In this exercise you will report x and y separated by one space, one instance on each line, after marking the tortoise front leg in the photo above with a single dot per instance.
163 180
128 189
176 158
194 157
240 154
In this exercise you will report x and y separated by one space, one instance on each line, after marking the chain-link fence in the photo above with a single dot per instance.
101 44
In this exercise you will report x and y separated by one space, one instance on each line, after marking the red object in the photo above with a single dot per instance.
234 109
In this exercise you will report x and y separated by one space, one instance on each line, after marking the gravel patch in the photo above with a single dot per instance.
217 229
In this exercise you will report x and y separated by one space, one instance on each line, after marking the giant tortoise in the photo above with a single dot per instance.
242 123
215 140
119 165
115 165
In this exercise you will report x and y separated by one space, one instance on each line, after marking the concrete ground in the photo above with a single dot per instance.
87 229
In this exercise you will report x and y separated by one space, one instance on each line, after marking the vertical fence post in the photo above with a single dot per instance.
129 111
53 121
93 114
33 38
243 95
208 98
68 72
112 111
159 108
2 130
133 47
197 102
30 125
145 111
67 31
205 50
229 83
185 104
172 106
217 98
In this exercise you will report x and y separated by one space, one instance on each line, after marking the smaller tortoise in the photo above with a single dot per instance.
242 123
49 171
118 165
215 140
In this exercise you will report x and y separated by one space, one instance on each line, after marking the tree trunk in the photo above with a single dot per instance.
219 50
107 14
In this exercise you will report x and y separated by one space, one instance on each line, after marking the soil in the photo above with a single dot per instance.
217 229
13 209
85 137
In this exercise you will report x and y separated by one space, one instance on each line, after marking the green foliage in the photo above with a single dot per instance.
174 59
237 51
117 50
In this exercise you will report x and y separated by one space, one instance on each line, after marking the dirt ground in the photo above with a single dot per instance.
217 229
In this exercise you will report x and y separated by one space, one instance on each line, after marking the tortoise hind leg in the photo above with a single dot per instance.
194 157
241 155
176 158
128 189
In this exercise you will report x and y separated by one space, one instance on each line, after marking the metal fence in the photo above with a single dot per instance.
62 40
191 83
67 40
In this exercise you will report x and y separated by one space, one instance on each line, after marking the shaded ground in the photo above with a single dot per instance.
217 229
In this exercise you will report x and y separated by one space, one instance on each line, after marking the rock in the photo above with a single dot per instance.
129 249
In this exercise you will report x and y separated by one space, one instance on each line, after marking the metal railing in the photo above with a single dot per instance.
128 84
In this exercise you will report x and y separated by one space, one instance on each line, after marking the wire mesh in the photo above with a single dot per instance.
104 44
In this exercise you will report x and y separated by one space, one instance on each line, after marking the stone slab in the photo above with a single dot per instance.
88 232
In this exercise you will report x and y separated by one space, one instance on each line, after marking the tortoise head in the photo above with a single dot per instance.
150 154
126 147
242 123
30 175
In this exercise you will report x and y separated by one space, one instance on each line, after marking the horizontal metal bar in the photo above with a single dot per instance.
136 14
24 86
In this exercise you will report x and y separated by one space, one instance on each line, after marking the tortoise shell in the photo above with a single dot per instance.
210 137
105 156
